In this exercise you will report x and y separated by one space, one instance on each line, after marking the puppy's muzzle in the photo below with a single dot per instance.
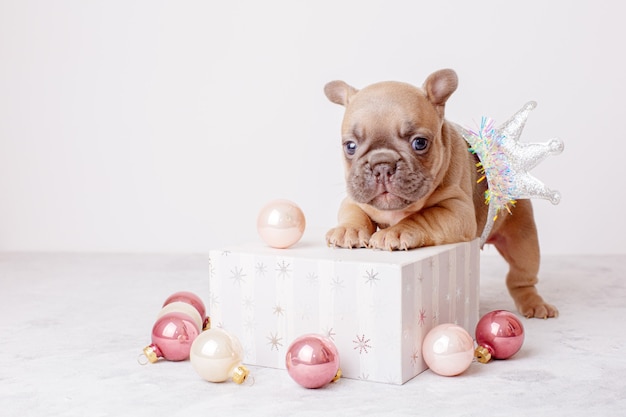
383 163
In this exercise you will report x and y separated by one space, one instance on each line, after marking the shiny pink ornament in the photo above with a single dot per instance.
281 223
313 361
499 335
192 299
172 336
448 349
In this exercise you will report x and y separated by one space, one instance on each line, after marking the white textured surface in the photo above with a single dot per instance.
72 326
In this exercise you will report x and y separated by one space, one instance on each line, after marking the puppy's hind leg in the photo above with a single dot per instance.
515 237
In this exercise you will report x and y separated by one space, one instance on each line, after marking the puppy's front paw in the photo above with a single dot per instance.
346 236
395 238
531 305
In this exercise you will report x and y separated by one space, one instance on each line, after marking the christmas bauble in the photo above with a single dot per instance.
499 335
281 223
191 299
216 356
313 361
448 349
172 336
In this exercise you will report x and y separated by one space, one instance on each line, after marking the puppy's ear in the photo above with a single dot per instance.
339 92
439 86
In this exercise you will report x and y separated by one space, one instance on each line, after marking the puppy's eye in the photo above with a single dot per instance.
350 147
419 144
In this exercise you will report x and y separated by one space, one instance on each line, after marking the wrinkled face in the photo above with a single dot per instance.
391 136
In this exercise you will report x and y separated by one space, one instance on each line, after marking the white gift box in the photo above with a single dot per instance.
376 306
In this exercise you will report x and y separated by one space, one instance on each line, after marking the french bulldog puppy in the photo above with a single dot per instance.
411 182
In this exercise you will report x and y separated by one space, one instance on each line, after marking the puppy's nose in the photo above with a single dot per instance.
383 171
383 163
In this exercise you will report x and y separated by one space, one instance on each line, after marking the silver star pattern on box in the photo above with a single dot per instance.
505 164
376 307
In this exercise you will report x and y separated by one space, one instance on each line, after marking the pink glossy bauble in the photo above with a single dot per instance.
499 335
448 349
172 336
192 299
281 223
312 361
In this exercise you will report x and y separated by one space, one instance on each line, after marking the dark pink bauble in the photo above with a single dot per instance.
500 334
172 336
189 298
312 361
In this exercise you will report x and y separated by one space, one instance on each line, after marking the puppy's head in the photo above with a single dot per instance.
392 139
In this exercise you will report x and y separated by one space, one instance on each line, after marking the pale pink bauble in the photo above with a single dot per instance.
312 360
448 349
281 223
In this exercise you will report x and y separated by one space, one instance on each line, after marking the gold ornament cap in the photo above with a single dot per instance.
150 353
240 374
338 375
207 323
482 354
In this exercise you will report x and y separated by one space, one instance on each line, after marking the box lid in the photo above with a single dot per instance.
313 246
